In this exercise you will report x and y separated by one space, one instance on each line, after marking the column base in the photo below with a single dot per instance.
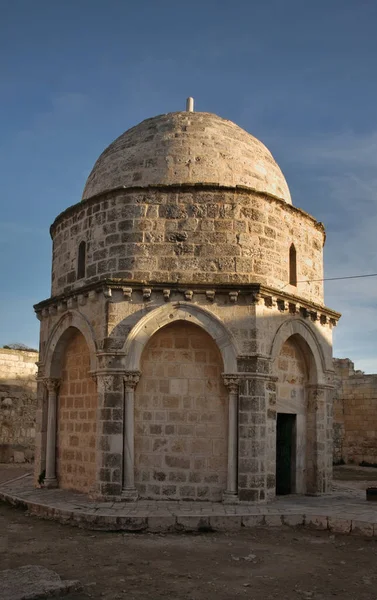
130 495
230 498
50 482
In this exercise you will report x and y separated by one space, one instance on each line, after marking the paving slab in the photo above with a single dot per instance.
33 581
342 511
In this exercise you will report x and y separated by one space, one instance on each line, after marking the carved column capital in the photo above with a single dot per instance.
131 379
231 381
51 383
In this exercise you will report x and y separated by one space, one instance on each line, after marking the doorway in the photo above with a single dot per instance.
285 453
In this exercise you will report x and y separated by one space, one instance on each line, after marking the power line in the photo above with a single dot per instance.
337 278
333 279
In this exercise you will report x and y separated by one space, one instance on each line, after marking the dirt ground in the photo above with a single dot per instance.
356 477
263 563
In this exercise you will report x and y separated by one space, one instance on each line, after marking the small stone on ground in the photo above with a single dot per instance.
33 582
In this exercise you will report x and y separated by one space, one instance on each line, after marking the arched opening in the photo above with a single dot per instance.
292 265
81 260
293 446
76 415
181 416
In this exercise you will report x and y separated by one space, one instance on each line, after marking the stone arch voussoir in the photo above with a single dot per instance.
169 313
299 328
60 334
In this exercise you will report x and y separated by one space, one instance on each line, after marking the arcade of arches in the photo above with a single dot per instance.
185 429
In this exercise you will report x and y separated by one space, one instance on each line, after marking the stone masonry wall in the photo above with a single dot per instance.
18 402
76 419
355 414
181 423
182 235
292 378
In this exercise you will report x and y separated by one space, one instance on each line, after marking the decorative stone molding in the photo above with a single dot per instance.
166 294
107 292
233 296
281 304
231 381
127 293
62 307
255 297
210 295
71 302
92 295
52 310
323 319
131 379
188 294
147 292
81 299
51 383
45 313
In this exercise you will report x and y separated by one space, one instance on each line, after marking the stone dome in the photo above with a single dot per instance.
187 148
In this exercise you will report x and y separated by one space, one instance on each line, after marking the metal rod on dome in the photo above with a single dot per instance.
190 104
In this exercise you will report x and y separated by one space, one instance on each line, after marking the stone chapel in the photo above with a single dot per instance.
186 351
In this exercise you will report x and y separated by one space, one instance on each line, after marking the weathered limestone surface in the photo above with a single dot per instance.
187 147
355 414
188 236
18 404
181 417
187 223
77 419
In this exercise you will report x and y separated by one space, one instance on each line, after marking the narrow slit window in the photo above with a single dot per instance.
81 260
292 266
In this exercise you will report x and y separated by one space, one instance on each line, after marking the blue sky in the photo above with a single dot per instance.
301 76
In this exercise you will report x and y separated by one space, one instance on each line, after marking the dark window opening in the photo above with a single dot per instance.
292 266
81 261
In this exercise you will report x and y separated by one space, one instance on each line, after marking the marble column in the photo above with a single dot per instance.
231 492
129 492
52 386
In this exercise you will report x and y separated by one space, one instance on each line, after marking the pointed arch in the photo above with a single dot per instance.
62 332
305 336
180 311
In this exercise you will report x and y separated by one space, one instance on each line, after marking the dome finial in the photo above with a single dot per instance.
190 104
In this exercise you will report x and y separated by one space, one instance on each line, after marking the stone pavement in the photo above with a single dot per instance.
343 511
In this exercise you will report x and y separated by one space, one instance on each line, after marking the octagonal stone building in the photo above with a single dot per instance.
185 351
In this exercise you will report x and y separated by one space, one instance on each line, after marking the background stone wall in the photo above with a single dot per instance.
181 421
355 414
188 235
18 403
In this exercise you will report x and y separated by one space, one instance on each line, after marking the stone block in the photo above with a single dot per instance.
363 528
251 521
161 524
338 525
193 523
316 521
225 522
273 520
